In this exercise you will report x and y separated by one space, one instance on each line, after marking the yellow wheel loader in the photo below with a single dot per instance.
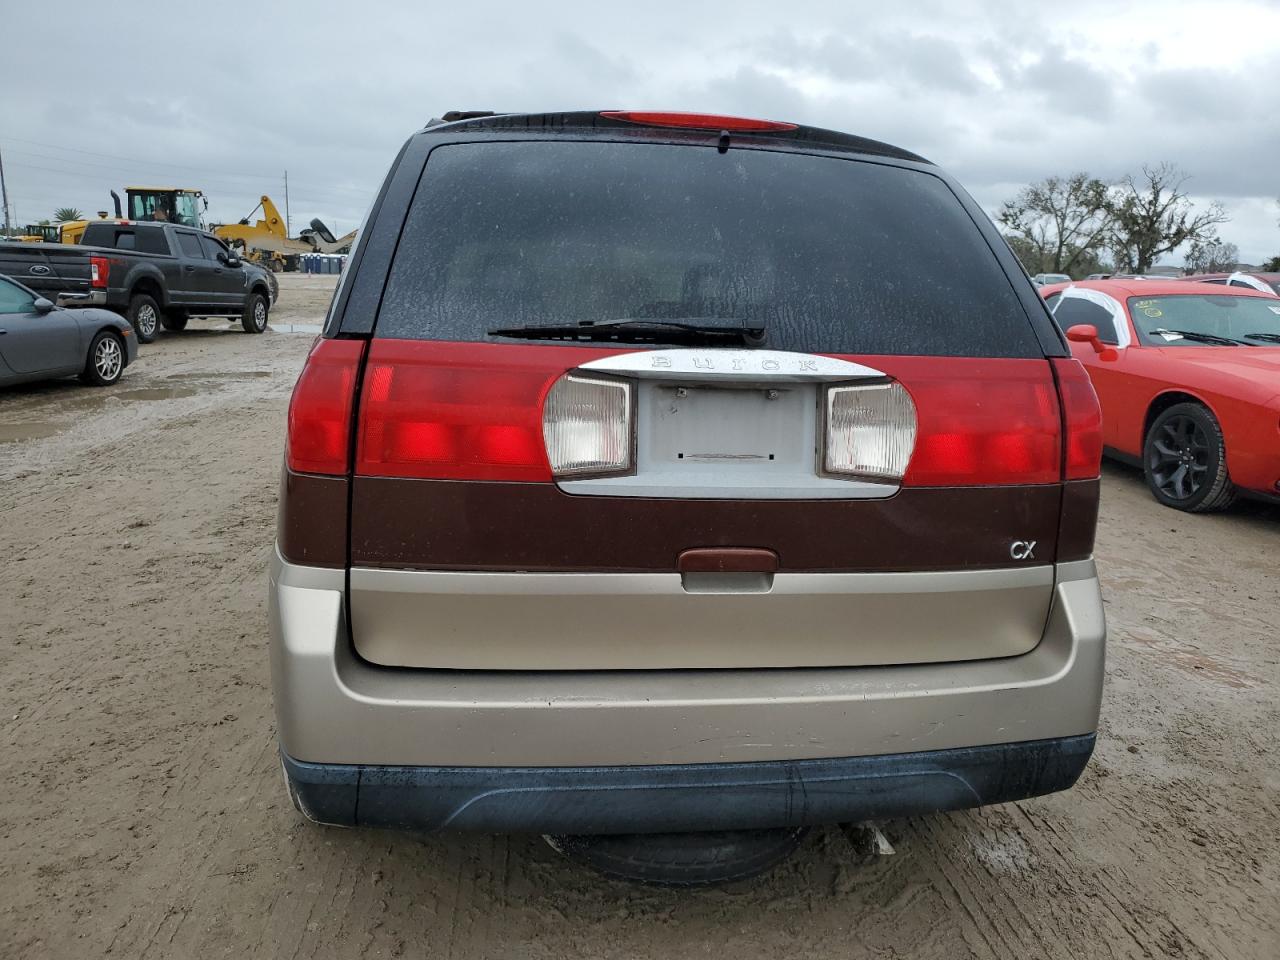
173 204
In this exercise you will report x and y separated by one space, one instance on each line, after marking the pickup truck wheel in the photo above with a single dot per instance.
254 318
174 320
682 859
105 361
144 314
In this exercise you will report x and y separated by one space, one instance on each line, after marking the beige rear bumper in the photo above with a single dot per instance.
333 707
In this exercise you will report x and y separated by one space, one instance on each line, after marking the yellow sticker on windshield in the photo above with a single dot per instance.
1152 312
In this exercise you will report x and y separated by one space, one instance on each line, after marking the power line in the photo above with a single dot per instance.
116 156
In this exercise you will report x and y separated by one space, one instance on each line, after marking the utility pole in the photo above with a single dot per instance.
288 230
4 198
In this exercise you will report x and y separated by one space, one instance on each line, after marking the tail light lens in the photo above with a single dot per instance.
99 270
468 411
586 426
871 431
981 422
1082 421
319 437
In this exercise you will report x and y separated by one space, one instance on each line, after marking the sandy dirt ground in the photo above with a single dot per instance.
143 815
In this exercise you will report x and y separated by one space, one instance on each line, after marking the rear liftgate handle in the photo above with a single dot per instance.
727 569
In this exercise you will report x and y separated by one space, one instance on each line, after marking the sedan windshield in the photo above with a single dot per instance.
1199 320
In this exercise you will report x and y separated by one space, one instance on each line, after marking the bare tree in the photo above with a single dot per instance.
1211 256
1055 224
1151 215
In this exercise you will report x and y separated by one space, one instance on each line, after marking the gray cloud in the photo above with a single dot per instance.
999 92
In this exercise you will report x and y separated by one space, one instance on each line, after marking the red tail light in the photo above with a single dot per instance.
459 411
319 437
1082 420
99 270
980 422
696 121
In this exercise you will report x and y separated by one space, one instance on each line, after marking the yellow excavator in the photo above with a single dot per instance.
174 204
267 241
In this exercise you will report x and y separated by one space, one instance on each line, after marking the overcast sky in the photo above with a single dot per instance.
226 97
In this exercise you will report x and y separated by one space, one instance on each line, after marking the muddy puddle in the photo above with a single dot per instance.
156 393
13 432
210 375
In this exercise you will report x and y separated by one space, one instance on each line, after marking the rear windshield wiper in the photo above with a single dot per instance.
708 331
1202 337
1269 337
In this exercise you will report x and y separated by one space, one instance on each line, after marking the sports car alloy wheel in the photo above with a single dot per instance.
1178 458
108 359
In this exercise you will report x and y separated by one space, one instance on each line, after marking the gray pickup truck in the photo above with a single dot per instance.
155 274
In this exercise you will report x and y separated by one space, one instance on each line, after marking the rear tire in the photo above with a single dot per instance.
175 321
1184 459
682 859
105 362
254 318
144 315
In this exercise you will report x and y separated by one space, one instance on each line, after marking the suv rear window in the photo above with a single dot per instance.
833 255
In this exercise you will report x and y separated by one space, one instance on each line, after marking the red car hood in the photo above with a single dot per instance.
1252 363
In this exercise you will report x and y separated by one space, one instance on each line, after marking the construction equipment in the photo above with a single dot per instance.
267 242
323 241
181 205
37 233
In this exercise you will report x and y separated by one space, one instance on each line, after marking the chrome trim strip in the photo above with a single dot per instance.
732 366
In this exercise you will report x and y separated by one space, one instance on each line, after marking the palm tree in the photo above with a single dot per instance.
62 214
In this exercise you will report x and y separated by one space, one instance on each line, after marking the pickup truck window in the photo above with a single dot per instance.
211 247
190 244
145 239
152 240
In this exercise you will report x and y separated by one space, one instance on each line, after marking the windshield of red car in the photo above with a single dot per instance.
1159 319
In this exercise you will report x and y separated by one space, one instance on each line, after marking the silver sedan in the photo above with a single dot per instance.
39 341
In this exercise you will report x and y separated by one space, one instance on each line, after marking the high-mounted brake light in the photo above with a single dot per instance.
871 431
697 121
1082 421
319 436
586 425
99 270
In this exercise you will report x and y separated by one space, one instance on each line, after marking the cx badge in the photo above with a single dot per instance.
1023 550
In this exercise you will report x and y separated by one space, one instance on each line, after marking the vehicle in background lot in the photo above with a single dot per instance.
1188 375
1043 279
35 233
650 521
1262 282
153 273
1098 276
40 341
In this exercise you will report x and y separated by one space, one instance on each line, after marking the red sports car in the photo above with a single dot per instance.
1188 375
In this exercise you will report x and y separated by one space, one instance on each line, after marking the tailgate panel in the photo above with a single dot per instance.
517 621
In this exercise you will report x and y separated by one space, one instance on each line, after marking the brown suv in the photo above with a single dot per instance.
668 483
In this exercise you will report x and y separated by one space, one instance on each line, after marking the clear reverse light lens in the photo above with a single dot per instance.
871 431
586 425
